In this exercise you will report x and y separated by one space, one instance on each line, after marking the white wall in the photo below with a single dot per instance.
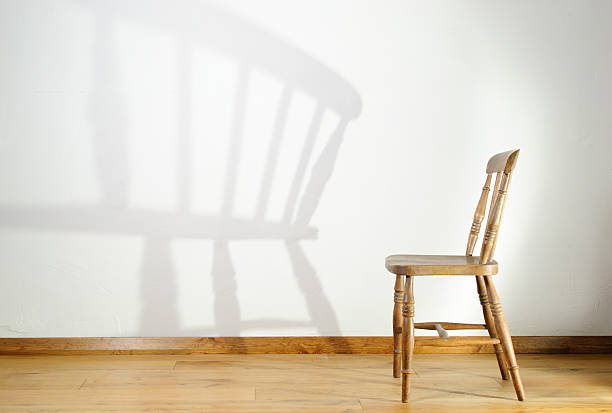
135 139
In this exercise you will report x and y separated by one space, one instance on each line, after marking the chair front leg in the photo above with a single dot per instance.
407 338
504 336
398 298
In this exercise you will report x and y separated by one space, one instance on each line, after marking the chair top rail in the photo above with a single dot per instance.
503 162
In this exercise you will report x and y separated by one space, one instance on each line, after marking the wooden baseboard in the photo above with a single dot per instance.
282 345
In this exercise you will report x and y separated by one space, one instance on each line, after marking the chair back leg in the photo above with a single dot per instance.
506 339
488 317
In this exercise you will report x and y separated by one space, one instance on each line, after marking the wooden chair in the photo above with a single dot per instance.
483 268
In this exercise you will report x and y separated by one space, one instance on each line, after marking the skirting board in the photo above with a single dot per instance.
282 345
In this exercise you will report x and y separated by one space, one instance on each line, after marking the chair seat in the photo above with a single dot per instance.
439 265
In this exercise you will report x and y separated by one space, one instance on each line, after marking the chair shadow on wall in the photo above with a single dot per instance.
199 25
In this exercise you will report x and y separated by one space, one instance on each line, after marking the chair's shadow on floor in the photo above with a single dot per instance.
197 25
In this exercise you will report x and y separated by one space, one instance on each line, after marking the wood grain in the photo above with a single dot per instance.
338 383
403 264
284 345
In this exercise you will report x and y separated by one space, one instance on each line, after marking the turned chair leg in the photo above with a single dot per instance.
398 298
506 339
488 316
407 338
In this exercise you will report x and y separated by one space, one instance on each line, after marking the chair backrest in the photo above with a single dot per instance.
502 166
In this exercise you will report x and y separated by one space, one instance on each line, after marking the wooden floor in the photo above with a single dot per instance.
298 383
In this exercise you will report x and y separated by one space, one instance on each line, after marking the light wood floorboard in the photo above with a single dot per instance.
298 383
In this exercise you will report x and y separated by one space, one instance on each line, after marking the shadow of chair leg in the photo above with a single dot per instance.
226 306
159 290
319 308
